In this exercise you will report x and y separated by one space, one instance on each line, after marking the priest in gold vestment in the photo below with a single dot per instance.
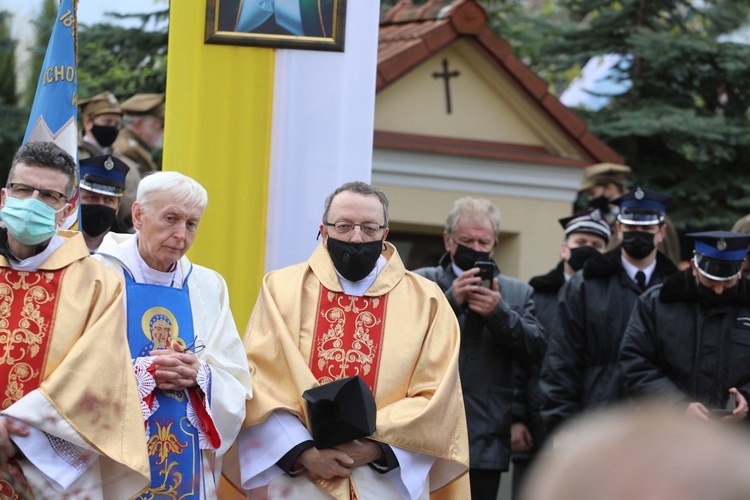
353 309
71 424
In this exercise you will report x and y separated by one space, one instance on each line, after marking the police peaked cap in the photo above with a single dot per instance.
719 254
642 206
104 175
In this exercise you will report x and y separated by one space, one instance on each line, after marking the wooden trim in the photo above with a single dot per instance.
471 148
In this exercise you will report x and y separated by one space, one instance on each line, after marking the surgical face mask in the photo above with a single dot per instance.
105 135
96 219
354 260
579 256
29 221
638 244
465 257
708 296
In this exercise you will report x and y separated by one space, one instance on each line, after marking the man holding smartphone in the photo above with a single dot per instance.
688 340
498 326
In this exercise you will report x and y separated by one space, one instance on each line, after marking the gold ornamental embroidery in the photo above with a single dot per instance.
24 332
336 359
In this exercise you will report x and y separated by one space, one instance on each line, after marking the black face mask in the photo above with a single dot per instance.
601 203
707 296
104 135
354 260
465 257
96 219
638 244
579 256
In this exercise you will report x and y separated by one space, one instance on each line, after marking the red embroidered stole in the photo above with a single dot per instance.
348 334
27 310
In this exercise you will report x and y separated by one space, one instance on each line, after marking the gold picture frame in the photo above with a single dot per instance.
289 24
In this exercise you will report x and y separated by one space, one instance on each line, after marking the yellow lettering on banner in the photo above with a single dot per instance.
59 73
68 18
74 99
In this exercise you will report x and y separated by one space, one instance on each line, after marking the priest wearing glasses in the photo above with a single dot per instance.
353 310
64 356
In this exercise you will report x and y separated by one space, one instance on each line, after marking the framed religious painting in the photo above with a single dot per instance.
289 24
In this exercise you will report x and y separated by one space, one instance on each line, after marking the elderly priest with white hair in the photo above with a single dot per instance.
187 355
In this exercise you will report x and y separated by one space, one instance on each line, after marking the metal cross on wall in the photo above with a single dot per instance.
446 75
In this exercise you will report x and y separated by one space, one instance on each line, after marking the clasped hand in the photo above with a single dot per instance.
176 369
339 460
467 289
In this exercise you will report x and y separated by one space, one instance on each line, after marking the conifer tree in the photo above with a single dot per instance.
683 124
123 60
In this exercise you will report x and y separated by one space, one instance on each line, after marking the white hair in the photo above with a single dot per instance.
172 186
475 209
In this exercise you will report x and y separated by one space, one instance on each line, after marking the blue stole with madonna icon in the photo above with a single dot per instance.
157 316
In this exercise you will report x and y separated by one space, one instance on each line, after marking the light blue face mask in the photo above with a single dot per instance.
29 221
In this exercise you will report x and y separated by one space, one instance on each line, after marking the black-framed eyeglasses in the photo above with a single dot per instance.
47 196
369 228
196 347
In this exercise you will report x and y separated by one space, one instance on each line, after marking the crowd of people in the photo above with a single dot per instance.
125 376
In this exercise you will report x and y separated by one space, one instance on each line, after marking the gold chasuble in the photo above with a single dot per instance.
402 338
62 330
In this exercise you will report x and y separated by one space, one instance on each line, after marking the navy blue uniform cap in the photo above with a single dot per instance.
642 207
104 175
719 254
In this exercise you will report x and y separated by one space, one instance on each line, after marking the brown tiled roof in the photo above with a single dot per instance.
410 34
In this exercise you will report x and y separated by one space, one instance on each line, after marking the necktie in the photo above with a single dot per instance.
640 278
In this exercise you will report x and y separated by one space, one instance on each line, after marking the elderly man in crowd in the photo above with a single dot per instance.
498 326
142 135
352 309
187 355
71 424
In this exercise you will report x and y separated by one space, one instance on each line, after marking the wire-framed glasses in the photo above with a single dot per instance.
343 227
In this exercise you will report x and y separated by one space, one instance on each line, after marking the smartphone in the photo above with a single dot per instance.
727 410
719 412
486 272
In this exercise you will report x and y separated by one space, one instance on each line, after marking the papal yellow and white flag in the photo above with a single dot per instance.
269 132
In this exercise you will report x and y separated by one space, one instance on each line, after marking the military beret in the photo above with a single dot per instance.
145 104
604 173
100 104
